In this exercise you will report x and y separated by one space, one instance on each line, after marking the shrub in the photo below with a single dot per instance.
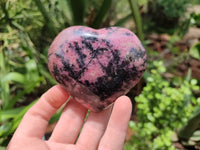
167 15
163 107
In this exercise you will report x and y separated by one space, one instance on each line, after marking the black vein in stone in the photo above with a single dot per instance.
69 68
81 56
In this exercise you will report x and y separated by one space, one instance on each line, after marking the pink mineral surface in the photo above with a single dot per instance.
96 66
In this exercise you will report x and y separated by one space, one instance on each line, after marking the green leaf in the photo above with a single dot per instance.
31 65
197 133
189 75
4 129
28 88
46 74
2 148
102 13
78 9
195 51
195 138
11 113
123 20
55 117
192 124
51 25
64 6
4 85
15 122
14 76
32 74
137 18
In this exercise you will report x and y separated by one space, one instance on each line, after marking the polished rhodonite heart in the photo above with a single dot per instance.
96 66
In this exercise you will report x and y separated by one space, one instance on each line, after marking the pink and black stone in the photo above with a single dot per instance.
96 66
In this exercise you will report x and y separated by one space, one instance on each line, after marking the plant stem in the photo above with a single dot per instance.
186 132
47 17
4 84
102 13
78 9
137 18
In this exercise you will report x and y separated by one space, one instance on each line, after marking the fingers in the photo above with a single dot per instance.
115 133
70 123
93 130
36 119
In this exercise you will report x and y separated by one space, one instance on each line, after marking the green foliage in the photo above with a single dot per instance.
167 16
163 107
196 19
137 18
195 51
77 15
24 76
195 1
8 127
188 131
171 8
26 30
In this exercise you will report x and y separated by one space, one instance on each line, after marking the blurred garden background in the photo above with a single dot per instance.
166 101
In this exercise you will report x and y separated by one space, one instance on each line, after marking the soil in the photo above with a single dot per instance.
160 44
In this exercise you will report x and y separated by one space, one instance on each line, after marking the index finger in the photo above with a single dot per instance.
36 119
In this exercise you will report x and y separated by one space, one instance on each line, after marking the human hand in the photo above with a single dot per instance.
103 131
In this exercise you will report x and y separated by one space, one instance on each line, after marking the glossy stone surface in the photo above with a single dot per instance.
96 66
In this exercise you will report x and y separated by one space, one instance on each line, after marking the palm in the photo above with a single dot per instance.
104 130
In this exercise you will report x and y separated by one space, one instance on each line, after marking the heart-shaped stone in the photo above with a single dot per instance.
96 66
